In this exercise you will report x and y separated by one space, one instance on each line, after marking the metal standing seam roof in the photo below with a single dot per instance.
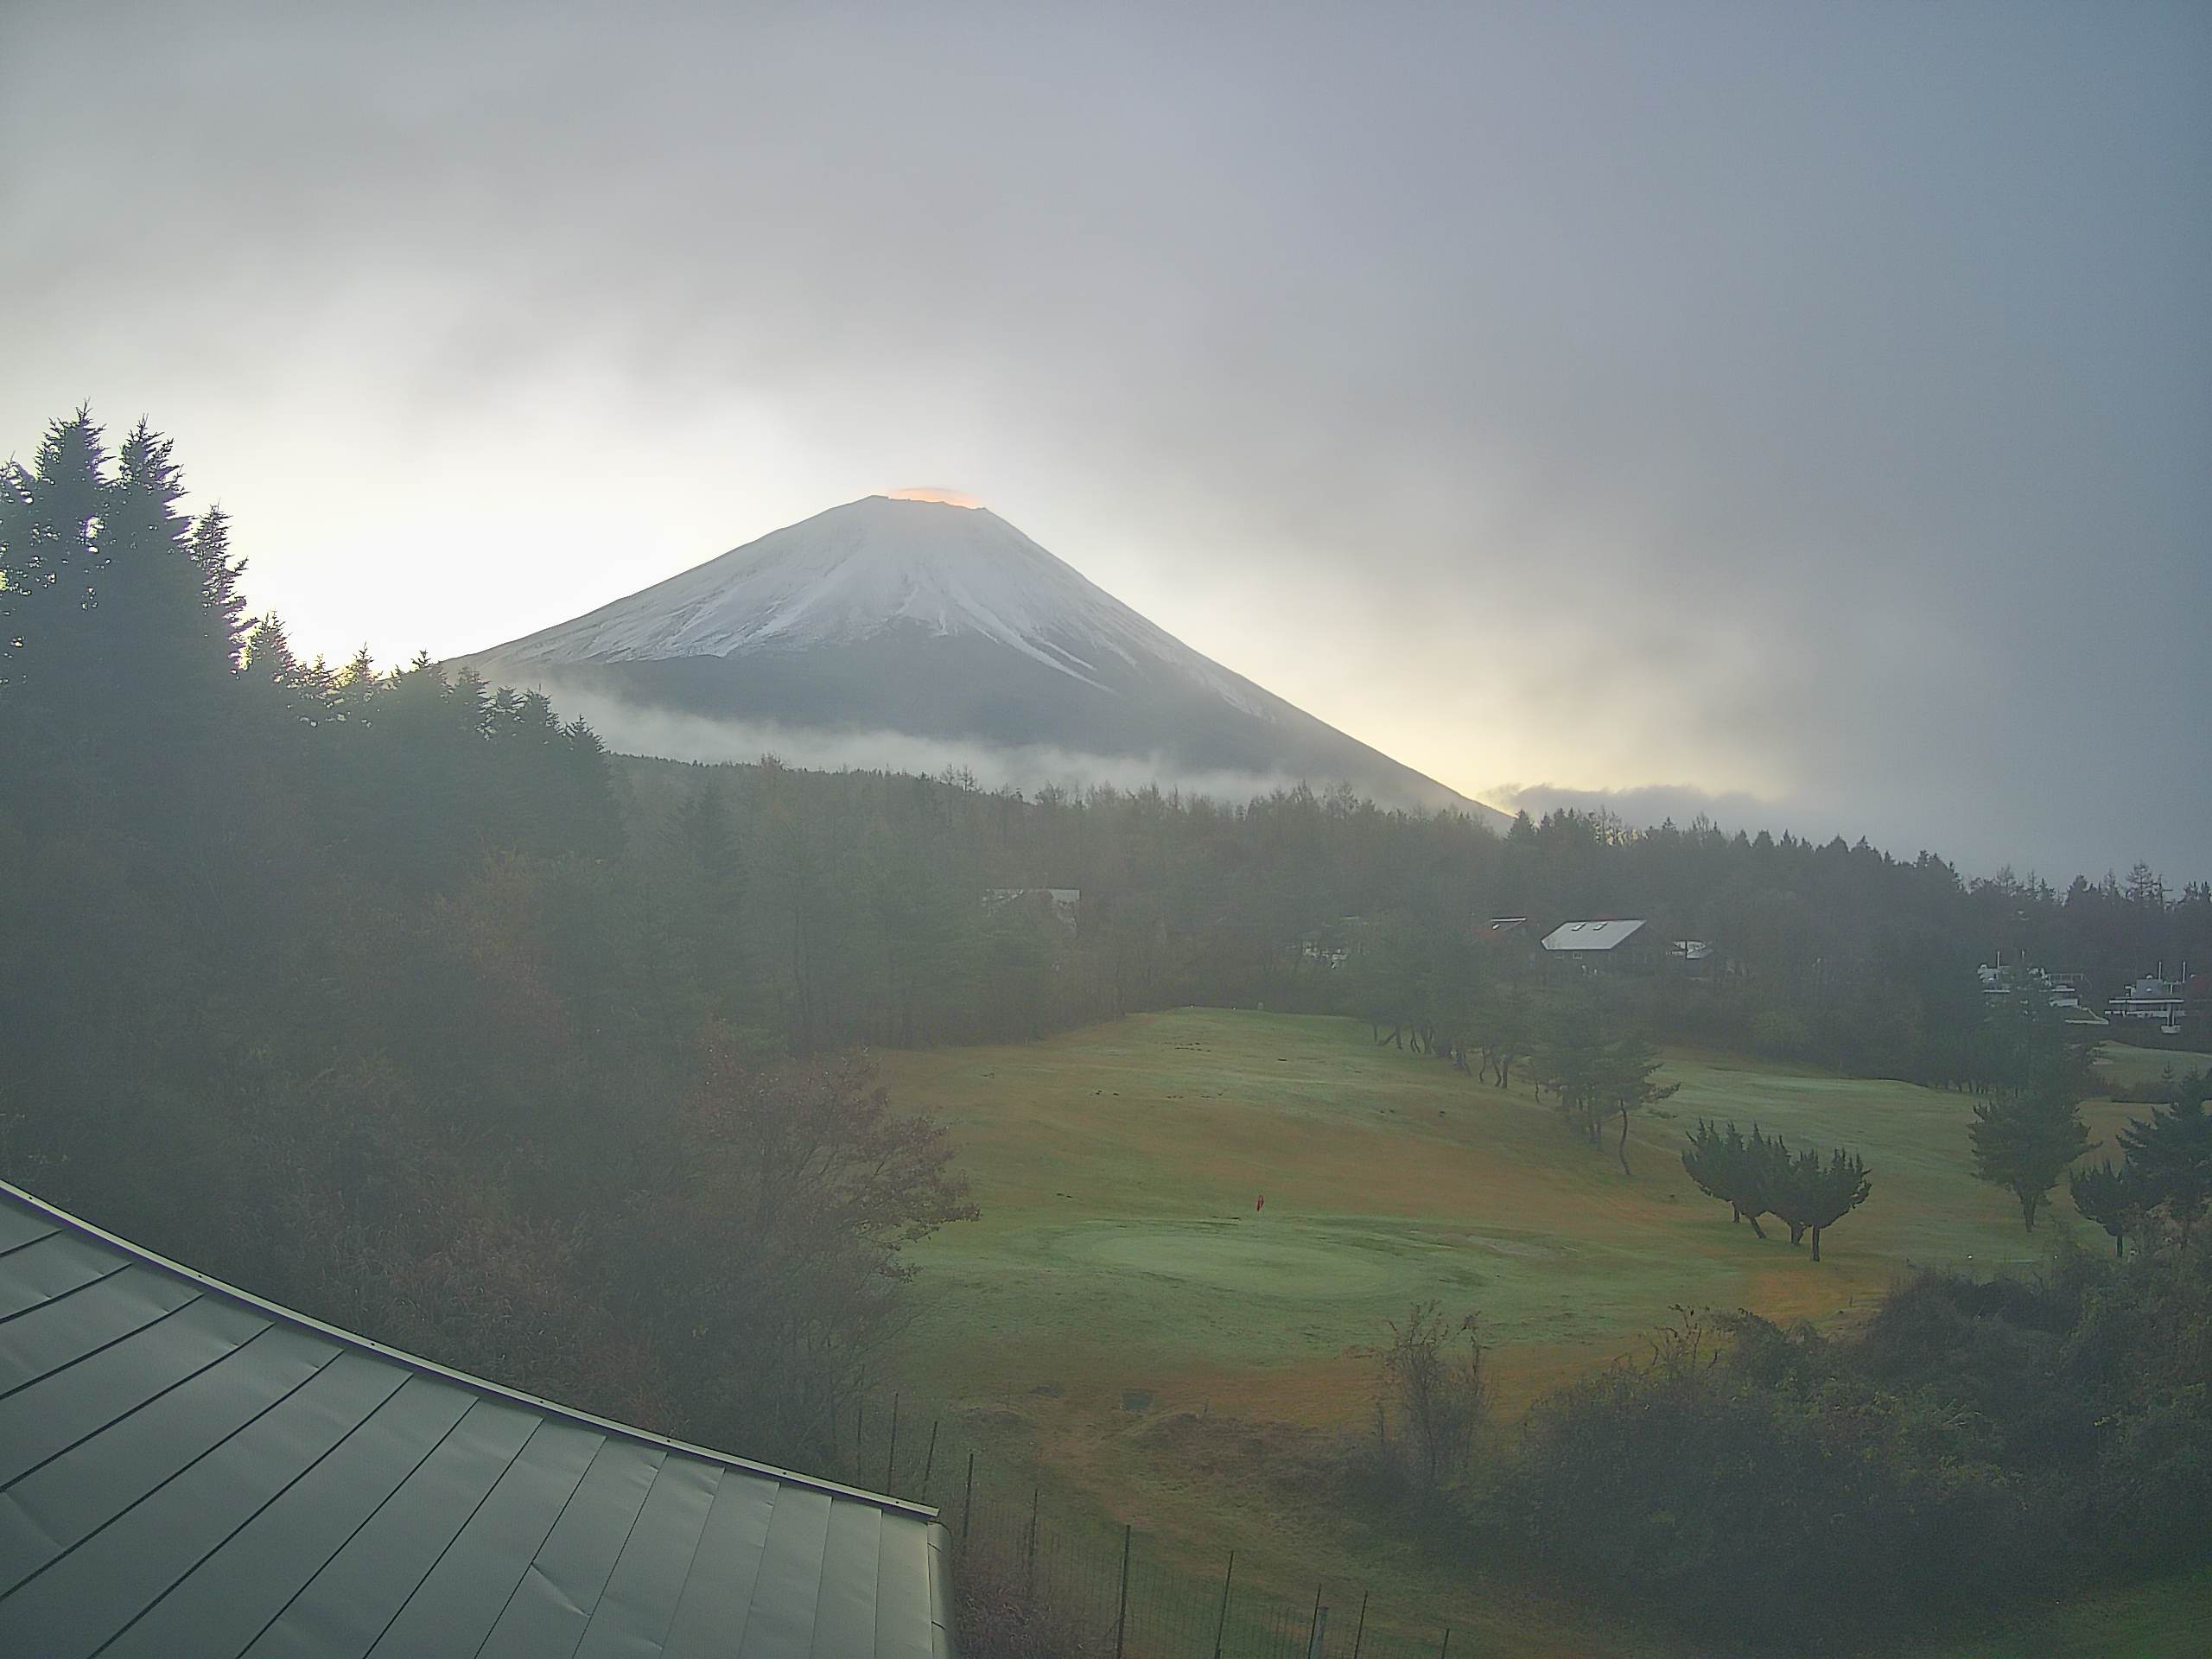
1589 936
186 1470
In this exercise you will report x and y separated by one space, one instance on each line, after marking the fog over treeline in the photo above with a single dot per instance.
633 729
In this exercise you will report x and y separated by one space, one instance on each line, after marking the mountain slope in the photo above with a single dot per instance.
832 641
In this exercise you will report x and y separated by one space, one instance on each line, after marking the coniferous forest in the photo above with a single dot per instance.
396 997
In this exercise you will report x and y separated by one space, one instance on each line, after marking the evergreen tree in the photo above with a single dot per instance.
1501 1028
1628 1084
1707 1161
2112 1197
222 605
2024 1141
356 686
1749 1176
706 879
2170 1156
1812 1195
1760 1177
1571 1059
49 517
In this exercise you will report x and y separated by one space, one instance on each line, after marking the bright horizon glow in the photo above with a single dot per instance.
935 492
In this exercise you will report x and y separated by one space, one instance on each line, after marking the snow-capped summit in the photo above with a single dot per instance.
849 573
890 618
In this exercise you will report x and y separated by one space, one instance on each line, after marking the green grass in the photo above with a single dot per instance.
1119 1168
2123 1065
1121 1255
2166 1620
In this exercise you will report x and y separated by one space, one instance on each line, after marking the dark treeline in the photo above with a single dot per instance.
866 921
358 990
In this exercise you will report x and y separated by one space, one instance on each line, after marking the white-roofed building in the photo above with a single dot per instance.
1609 935
1605 943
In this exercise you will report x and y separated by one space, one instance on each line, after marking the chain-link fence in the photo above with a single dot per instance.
1035 1582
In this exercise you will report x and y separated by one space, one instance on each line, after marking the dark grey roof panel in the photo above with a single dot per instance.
455 1608
633 1616
941 1592
710 1618
345 1611
790 1586
554 1601
58 1505
187 1470
844 1618
902 1595
45 1418
91 1593
240 1590
64 1330
19 1226
52 1265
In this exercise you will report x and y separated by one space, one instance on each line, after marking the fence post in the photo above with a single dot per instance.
891 1458
1221 1625
967 1502
1360 1635
1035 1491
1121 1612
930 1462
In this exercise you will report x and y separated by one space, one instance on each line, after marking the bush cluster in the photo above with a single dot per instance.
1975 1444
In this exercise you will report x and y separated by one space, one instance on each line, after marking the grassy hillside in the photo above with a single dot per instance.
1126 1315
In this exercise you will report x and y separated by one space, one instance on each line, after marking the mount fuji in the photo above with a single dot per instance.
911 634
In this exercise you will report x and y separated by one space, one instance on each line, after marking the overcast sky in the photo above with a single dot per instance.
1806 410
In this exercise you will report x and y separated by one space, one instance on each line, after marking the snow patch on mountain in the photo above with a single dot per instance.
857 570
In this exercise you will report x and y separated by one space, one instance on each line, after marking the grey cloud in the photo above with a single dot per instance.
1027 768
1809 404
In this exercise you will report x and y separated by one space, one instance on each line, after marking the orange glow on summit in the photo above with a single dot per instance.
931 493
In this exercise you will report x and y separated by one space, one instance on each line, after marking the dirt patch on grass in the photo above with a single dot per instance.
1290 1455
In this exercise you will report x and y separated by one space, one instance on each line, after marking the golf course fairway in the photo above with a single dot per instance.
1196 1226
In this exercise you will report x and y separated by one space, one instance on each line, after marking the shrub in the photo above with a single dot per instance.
1430 1412
1977 1442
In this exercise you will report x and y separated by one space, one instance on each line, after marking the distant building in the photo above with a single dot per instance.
1607 944
2004 981
2149 998
1601 936
1325 950
1060 905
1694 957
2066 991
